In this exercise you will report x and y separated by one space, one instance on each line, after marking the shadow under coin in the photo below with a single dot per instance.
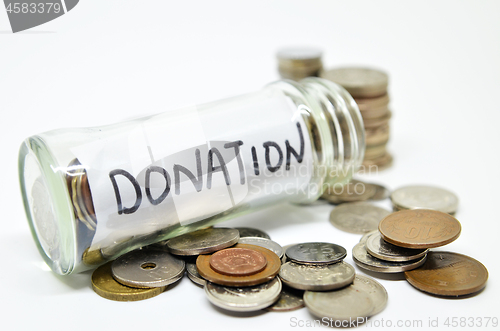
382 275
239 314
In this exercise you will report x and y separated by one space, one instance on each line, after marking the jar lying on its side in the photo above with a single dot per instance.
92 194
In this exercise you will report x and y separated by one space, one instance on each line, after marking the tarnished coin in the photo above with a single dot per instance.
381 192
425 197
147 268
419 228
449 274
383 250
316 253
364 260
263 242
251 232
354 191
203 241
357 217
107 287
238 261
317 277
348 303
375 290
250 298
192 273
290 299
284 258
359 82
365 237
270 271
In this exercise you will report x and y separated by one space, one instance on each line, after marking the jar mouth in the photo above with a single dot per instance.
46 208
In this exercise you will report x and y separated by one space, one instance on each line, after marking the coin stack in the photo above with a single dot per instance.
299 63
330 283
368 87
390 249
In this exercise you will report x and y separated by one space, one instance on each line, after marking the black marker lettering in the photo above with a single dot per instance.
268 144
290 150
255 161
236 145
165 174
197 182
138 193
211 169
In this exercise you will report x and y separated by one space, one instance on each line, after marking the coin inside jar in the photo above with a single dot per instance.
238 261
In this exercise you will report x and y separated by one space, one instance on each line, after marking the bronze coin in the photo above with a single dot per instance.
238 261
449 274
269 272
419 228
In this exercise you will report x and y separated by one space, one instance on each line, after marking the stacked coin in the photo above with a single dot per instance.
299 63
368 87
403 239
424 197
332 289
137 275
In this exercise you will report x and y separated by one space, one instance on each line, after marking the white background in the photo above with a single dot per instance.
105 61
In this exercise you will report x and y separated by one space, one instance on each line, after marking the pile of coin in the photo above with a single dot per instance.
299 63
403 239
368 87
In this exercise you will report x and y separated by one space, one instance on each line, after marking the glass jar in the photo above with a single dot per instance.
92 194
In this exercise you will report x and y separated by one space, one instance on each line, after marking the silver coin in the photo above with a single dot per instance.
284 258
381 192
203 241
365 237
357 217
383 250
290 299
251 232
425 197
250 298
192 273
147 268
316 253
345 304
263 242
317 277
377 292
364 260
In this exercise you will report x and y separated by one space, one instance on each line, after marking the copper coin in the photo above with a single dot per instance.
269 272
419 228
449 274
238 261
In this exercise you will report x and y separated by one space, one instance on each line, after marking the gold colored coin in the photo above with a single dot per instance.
419 228
270 271
107 287
93 257
449 274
